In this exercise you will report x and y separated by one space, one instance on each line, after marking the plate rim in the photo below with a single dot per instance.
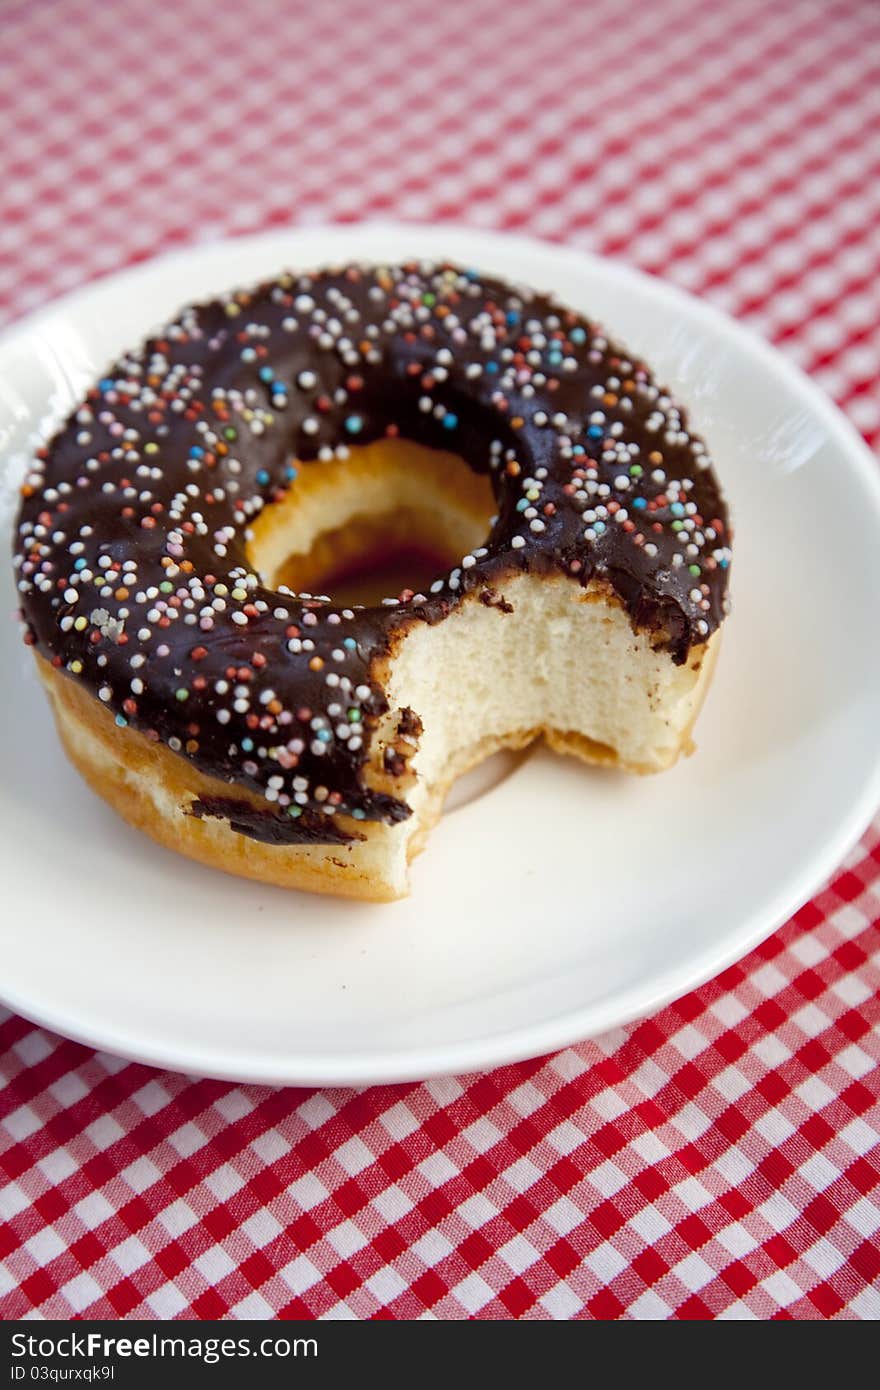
574 1025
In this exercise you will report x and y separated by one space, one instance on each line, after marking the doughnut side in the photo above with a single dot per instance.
590 683
156 792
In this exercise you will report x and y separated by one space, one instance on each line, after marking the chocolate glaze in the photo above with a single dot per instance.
270 827
131 550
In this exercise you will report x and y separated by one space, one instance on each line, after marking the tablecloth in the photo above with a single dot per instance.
721 1159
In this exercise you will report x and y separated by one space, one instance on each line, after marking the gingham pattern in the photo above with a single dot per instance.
721 1159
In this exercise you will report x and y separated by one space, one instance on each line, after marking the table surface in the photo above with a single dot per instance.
721 1159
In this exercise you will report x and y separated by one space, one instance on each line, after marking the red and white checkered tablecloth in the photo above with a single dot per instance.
721 1159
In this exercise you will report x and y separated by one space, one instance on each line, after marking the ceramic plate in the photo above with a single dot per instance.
554 902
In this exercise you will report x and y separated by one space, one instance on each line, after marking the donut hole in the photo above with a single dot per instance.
393 516
368 559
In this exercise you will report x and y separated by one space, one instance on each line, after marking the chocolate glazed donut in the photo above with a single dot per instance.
138 520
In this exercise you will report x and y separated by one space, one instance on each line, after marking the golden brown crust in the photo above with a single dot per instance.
136 777
391 489
154 790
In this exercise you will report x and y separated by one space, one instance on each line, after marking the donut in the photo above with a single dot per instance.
169 530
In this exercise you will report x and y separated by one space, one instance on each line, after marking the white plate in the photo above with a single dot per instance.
565 901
